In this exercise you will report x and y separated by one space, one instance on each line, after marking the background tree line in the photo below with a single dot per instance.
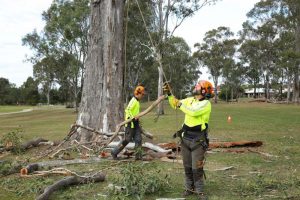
265 53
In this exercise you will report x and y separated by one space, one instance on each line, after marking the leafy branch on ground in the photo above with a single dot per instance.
138 179
13 138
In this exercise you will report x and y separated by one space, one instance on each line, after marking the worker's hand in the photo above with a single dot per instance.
174 135
167 88
176 103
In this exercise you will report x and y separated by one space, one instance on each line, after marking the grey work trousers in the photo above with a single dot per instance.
193 162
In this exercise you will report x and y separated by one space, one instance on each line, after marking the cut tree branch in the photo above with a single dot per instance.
26 145
73 180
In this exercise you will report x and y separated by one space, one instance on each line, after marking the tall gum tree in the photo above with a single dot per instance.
102 103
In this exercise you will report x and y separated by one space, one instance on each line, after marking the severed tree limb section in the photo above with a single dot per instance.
95 131
141 114
146 133
235 144
71 132
73 180
148 145
55 163
26 145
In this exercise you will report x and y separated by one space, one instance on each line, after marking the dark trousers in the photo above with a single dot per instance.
193 162
131 134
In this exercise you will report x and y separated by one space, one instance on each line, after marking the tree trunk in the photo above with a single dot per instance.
48 96
267 86
215 79
296 87
288 89
160 107
254 93
102 100
232 94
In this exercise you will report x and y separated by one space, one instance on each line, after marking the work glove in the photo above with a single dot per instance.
176 103
166 88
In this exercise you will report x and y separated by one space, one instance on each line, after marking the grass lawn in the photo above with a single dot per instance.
253 177
8 109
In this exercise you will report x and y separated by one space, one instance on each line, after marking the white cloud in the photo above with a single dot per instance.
19 17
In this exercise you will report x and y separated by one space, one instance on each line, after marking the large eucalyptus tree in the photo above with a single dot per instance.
102 100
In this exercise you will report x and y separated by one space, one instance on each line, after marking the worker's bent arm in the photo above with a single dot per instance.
172 102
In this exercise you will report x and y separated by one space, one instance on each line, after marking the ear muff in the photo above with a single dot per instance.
204 88
139 90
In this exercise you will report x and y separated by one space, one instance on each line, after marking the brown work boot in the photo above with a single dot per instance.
187 193
201 196
114 156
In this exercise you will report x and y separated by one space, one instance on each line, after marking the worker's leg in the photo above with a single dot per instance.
187 164
197 165
138 143
128 135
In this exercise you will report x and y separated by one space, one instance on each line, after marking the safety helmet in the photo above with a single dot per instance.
204 88
139 90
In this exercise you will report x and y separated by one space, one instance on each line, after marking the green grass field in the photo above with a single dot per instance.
254 176
8 109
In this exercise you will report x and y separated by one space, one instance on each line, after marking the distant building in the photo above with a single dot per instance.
260 92
250 92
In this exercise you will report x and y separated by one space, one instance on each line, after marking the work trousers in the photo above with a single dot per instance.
131 134
193 162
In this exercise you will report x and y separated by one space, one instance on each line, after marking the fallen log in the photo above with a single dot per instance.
55 163
73 180
171 145
146 133
174 146
95 131
148 145
25 146
235 144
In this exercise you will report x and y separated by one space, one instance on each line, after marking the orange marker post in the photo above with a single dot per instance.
229 119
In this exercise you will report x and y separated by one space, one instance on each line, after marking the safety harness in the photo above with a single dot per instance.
199 137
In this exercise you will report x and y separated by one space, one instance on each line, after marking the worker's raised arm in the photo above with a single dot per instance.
195 109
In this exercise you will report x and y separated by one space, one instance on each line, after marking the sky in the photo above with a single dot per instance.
19 17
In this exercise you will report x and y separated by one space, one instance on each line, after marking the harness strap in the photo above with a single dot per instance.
201 140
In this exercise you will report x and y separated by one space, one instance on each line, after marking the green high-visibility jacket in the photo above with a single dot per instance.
196 112
132 109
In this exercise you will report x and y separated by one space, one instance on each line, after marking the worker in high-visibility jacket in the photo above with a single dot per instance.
132 130
194 134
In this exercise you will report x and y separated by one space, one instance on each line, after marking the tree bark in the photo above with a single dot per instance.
296 86
73 180
160 107
215 79
102 100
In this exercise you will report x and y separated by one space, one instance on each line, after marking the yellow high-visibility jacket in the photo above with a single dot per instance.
196 112
132 109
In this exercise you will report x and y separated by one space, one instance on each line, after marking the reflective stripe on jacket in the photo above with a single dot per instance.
196 112
132 109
